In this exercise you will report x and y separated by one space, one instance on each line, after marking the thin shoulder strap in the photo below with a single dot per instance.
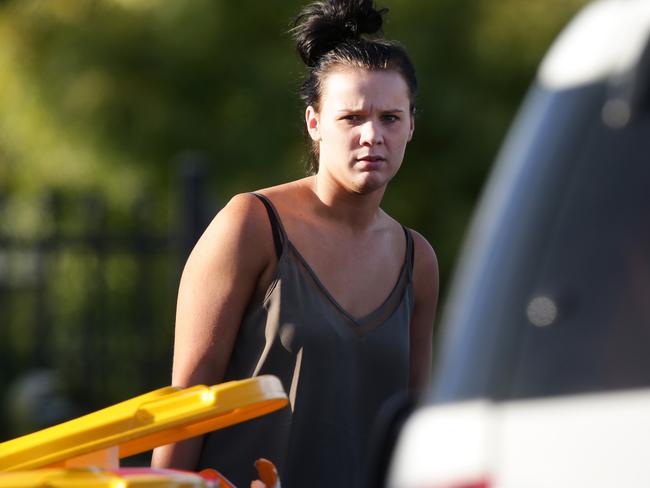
276 224
410 250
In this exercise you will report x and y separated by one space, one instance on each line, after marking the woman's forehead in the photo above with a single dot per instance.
353 88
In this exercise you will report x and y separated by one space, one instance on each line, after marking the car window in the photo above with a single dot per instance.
482 323
587 316
551 294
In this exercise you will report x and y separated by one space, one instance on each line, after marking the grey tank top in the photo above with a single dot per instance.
337 371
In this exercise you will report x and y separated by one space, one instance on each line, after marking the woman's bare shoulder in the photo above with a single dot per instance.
286 193
425 265
424 252
243 213
240 228
289 199
425 269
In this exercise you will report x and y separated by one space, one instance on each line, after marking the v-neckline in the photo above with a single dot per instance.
367 319
362 324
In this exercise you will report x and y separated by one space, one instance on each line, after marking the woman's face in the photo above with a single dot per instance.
362 127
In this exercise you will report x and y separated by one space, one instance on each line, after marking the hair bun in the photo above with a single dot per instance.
322 25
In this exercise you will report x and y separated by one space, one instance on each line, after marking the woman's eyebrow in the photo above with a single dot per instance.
361 110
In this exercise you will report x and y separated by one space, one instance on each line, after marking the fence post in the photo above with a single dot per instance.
4 287
7 355
95 357
194 173
44 248
142 247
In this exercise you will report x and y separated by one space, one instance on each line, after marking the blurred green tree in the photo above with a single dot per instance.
106 94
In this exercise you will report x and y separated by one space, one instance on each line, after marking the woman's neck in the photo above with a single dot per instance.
357 211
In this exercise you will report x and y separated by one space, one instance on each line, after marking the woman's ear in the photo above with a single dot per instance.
313 123
412 128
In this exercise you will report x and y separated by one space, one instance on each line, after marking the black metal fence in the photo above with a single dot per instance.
87 304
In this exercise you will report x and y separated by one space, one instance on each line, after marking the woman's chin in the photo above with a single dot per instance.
369 182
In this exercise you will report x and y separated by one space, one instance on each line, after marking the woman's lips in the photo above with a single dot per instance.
371 159
369 163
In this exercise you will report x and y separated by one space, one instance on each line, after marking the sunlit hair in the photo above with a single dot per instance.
329 35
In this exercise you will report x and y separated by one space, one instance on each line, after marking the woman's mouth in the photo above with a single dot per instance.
371 159
370 163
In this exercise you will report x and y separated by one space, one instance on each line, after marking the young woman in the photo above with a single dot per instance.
311 280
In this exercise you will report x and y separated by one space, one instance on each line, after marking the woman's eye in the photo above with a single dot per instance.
390 118
352 117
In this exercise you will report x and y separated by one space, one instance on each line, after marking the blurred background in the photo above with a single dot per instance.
126 124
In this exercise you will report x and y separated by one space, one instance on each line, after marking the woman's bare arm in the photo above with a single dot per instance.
425 283
219 279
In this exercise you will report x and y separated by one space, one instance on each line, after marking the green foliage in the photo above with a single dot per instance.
106 94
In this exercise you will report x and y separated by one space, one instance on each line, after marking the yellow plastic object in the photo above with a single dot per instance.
92 478
161 417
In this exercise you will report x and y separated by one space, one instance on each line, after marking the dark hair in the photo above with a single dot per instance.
328 34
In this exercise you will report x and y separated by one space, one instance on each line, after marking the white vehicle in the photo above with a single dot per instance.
543 378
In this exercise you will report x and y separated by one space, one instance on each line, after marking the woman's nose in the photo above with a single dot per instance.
371 134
